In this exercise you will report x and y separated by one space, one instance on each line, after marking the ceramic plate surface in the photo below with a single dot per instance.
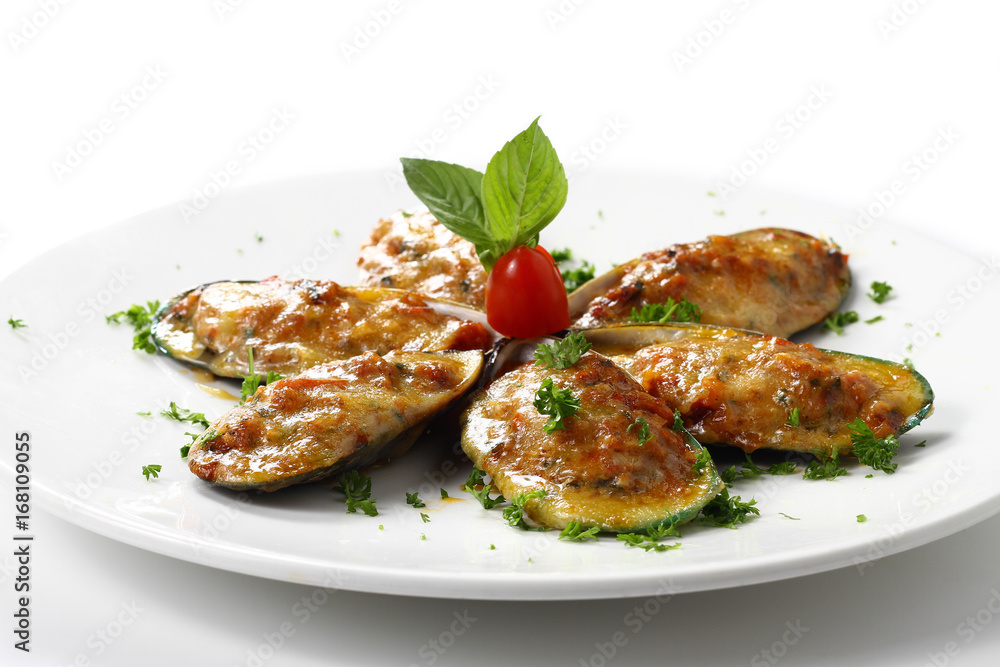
75 385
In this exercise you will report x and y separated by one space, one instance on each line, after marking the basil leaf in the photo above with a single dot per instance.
523 189
452 193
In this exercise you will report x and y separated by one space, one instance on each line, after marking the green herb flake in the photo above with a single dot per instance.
642 433
514 515
493 547
141 319
574 532
787 516
184 415
671 311
562 353
259 238
555 402
828 469
414 499
151 470
751 469
793 418
16 324
862 518
921 444
357 489
145 414
425 518
877 318
871 451
444 494
560 255
880 292
727 511
574 278
481 494
253 381
838 321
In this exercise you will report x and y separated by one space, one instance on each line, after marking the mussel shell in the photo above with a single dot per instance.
906 394
328 324
597 471
332 418
778 281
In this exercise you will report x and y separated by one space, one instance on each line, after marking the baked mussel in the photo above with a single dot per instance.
754 391
331 418
777 281
616 462
294 325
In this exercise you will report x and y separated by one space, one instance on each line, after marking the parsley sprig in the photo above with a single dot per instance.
671 311
880 291
556 402
414 499
751 469
575 533
515 513
562 353
16 324
727 511
838 321
872 451
252 382
650 540
642 432
480 490
184 415
152 469
358 490
828 469
141 319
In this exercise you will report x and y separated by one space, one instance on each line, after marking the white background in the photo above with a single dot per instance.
610 82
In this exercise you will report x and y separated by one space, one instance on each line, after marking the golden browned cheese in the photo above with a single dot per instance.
415 252
331 418
294 325
741 391
595 471
776 281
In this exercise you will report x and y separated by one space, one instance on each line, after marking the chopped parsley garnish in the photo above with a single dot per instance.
728 476
561 255
184 415
562 353
642 433
358 490
259 238
751 469
838 321
16 324
145 414
671 311
141 319
515 513
573 278
788 516
862 518
793 418
483 494
414 499
922 443
880 292
872 451
152 469
252 382
425 518
574 531
557 403
828 469
877 318
444 494
649 541
727 511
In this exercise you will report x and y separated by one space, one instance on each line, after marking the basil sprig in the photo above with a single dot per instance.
523 189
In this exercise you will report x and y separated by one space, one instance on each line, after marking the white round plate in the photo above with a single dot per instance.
73 382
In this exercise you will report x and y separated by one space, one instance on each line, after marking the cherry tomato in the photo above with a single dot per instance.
525 296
